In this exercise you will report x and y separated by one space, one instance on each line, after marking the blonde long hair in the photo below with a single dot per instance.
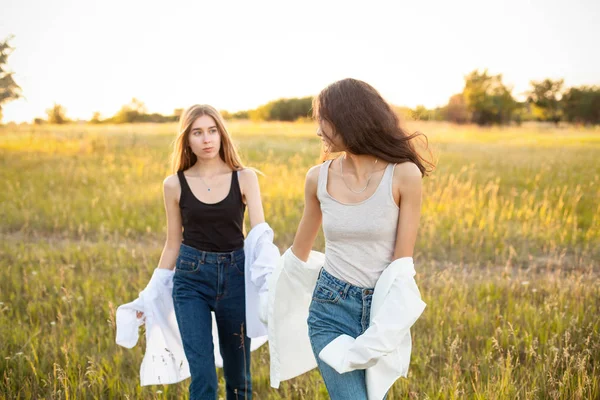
183 158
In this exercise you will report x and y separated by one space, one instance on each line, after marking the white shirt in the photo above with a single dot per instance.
164 360
261 258
383 349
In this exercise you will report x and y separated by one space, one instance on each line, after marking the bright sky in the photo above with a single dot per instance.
96 55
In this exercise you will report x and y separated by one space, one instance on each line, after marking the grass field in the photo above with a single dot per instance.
508 258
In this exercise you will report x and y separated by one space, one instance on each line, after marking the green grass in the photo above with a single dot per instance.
507 258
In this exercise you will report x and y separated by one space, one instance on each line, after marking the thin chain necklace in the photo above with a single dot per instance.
368 179
204 182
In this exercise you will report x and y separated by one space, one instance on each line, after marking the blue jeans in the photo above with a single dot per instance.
338 308
206 282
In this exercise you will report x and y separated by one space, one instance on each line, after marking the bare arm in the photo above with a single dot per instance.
311 219
408 180
171 192
251 193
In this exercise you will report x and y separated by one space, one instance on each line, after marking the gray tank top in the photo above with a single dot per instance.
359 237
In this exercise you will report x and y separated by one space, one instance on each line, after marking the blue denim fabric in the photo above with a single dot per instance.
205 282
338 308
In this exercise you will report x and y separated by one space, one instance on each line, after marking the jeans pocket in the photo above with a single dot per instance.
185 264
238 267
325 294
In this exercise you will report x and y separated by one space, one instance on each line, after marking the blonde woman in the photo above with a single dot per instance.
205 201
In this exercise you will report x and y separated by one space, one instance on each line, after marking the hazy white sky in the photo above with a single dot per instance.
96 55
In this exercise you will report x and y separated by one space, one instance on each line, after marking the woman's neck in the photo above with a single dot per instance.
212 167
359 164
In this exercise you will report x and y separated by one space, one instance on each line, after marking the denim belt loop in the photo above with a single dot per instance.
346 289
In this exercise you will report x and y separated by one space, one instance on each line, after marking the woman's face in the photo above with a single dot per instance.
204 138
332 141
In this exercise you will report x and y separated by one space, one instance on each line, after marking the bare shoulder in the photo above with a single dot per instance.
407 176
312 176
407 169
248 175
248 180
171 184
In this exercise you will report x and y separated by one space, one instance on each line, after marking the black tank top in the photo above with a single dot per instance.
212 227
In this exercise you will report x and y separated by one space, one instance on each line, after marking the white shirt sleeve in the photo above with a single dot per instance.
400 309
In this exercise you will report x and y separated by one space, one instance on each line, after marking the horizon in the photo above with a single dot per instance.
172 57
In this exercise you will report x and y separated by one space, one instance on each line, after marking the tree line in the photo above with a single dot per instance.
484 100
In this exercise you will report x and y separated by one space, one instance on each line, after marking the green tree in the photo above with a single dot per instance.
456 110
421 113
57 114
262 113
545 97
134 111
282 110
96 118
582 104
9 90
522 112
488 100
240 115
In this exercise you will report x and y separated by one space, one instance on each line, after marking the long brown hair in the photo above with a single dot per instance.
183 158
367 124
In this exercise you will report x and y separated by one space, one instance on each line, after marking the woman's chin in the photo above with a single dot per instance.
207 157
